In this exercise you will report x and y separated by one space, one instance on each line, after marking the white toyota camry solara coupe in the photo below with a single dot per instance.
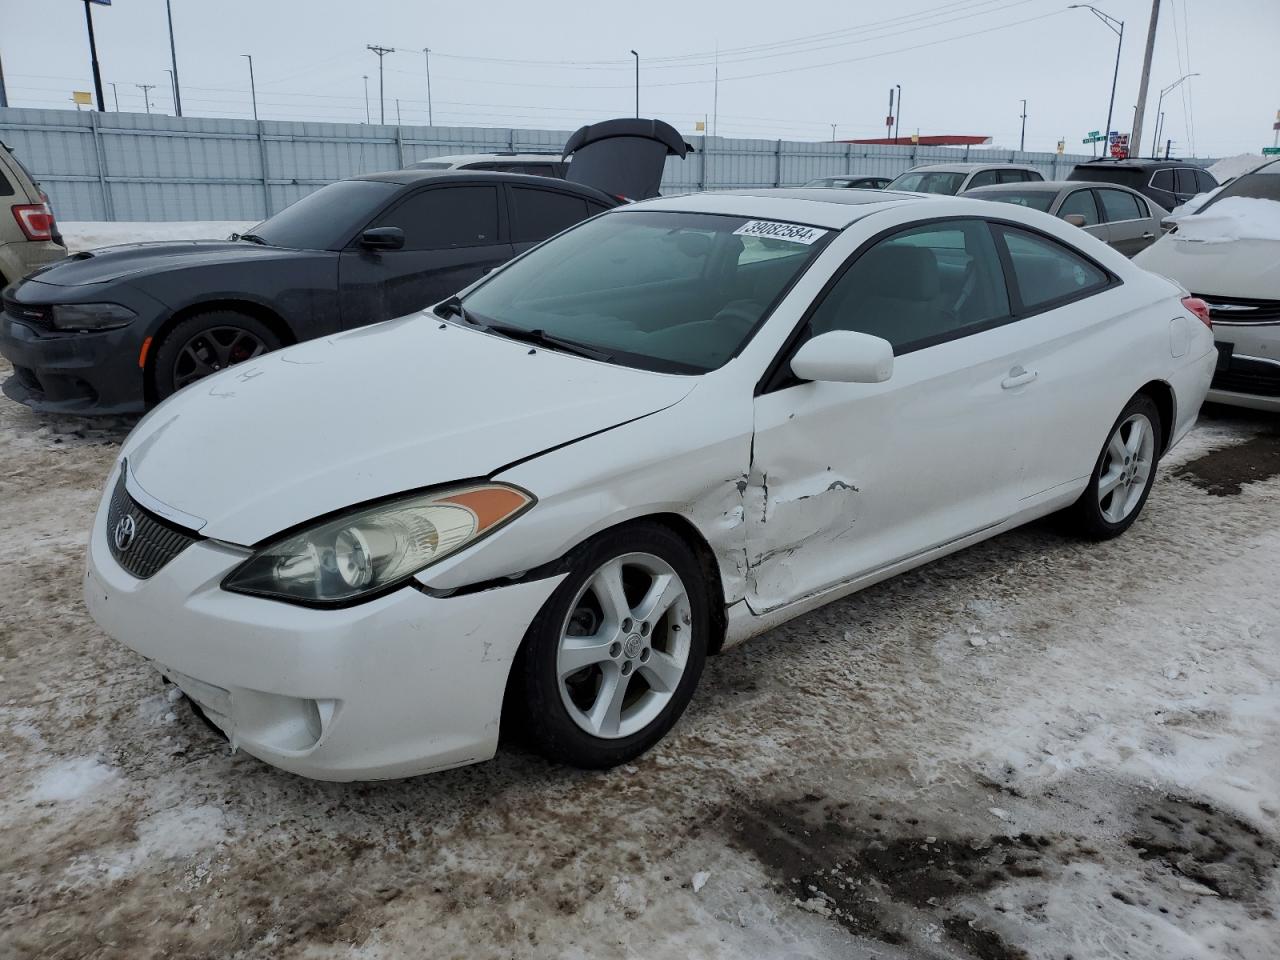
545 501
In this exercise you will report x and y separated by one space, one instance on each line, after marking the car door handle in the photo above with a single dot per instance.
1148 235
1017 377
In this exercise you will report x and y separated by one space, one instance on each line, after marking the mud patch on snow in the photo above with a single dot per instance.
1225 471
1210 848
885 877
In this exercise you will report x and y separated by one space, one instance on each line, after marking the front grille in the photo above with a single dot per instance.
1247 375
38 315
140 541
1240 310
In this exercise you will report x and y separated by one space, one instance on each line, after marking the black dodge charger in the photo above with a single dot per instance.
115 330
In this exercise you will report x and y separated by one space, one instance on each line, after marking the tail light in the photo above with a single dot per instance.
35 219
1200 309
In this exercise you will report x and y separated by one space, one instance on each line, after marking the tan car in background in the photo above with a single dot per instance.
29 235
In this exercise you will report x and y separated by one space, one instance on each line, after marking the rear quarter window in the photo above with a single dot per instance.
6 188
1048 273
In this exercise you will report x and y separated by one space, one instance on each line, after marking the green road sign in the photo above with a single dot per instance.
1095 135
1270 151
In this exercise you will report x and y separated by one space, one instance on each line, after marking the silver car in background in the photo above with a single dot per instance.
1116 215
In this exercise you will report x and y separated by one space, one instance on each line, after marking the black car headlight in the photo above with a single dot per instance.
91 316
373 549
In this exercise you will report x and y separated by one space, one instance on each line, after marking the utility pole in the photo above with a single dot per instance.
4 97
397 111
146 89
426 52
253 87
637 56
367 117
115 95
715 95
93 57
1022 142
897 124
382 103
173 55
1135 139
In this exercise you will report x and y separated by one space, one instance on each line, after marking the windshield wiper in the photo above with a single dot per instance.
453 308
251 237
544 339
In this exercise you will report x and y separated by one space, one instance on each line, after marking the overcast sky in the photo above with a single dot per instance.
787 70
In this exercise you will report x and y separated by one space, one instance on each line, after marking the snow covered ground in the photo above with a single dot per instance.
1037 748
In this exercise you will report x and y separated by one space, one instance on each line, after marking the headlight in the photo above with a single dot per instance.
376 548
91 316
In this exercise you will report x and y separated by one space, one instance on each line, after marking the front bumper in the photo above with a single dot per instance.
1248 373
403 685
81 373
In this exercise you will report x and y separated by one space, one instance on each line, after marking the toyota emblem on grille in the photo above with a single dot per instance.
126 529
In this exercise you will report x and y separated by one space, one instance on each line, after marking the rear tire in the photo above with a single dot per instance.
1123 474
612 659
206 343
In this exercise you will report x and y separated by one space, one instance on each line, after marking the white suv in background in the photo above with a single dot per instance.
953 179
537 164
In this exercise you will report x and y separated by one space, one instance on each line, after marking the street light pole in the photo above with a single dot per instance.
367 117
897 123
115 95
173 55
426 52
1022 142
1155 142
253 88
93 56
173 92
382 102
637 56
1116 27
833 133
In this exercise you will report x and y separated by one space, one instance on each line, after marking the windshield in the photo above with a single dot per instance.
327 218
1035 199
928 181
1262 184
679 292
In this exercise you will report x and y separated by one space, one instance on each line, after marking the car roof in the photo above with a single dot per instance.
1135 163
1047 186
968 167
479 157
832 209
412 177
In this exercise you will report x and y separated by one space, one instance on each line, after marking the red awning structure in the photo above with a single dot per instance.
942 140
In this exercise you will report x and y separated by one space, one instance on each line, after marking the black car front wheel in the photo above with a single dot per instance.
207 343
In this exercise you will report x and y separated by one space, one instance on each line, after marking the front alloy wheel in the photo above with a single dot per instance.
612 659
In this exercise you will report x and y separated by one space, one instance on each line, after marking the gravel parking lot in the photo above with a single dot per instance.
1036 748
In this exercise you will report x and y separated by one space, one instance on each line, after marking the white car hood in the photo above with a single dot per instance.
1236 268
330 423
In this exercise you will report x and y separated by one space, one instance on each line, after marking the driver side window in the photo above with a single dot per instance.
919 287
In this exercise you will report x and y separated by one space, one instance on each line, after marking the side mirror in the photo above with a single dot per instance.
382 238
1075 219
844 356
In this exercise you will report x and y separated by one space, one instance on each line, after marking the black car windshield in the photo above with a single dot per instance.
1262 184
678 292
328 218
928 181
1035 199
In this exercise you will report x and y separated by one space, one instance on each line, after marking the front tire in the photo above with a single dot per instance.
1123 474
206 343
612 659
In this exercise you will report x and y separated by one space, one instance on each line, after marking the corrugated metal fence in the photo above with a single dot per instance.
132 166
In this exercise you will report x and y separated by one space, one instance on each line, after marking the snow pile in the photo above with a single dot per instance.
88 235
72 780
1229 168
1233 218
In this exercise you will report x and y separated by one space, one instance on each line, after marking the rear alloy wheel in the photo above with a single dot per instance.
612 659
1123 475
206 343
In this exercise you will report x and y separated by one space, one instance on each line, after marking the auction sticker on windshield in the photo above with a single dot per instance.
772 230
